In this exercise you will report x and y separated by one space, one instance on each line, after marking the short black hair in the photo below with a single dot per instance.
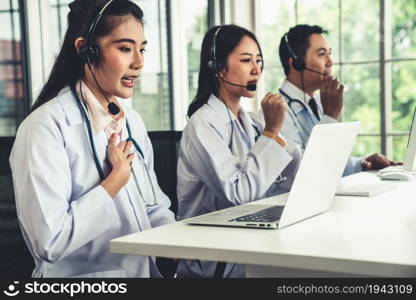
298 37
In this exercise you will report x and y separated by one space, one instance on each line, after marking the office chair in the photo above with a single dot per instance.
166 150
15 258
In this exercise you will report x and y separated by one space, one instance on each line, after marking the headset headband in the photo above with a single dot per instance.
212 63
290 48
298 63
97 18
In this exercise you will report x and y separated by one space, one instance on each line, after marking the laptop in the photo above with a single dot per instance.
313 188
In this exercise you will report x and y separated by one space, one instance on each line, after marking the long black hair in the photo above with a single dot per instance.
228 38
69 67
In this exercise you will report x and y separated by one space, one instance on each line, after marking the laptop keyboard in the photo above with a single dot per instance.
270 214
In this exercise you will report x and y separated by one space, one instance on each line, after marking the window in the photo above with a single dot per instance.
273 15
59 14
357 34
403 73
196 25
152 94
12 107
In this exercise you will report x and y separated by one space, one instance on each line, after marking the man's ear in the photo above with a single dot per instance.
78 43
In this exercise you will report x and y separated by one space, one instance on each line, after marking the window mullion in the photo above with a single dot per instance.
385 77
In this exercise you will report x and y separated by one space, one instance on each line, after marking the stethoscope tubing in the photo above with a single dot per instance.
94 151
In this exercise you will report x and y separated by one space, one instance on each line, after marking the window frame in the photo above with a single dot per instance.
385 61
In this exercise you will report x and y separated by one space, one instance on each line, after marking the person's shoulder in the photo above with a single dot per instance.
50 110
204 116
52 113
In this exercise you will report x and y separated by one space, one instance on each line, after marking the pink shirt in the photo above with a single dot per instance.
100 118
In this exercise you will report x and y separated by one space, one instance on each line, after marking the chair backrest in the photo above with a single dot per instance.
6 144
166 150
15 258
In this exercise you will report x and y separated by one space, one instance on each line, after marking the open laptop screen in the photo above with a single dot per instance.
410 158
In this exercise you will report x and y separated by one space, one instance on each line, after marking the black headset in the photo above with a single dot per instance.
213 64
298 63
89 51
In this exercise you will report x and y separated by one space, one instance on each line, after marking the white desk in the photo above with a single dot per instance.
358 237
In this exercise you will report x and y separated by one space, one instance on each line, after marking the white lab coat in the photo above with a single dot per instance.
66 216
212 177
299 121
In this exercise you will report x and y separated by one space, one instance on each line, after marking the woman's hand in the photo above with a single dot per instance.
120 159
274 108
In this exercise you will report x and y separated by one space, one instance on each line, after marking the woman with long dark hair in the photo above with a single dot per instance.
82 162
228 157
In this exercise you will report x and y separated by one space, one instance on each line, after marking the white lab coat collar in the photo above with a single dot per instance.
67 101
247 125
221 111
296 93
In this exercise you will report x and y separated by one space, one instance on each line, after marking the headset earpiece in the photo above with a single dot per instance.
213 64
298 64
93 53
89 54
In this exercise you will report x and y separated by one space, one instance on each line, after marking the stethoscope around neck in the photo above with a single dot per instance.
290 102
129 138
280 179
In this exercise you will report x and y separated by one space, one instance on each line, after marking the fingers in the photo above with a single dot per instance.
277 98
266 97
130 158
380 161
125 146
332 83
366 165
384 160
273 100
112 140
122 145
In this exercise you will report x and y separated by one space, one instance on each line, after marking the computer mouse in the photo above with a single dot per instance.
396 176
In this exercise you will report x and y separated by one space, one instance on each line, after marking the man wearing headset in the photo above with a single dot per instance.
306 59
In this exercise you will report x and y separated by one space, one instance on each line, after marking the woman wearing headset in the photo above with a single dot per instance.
228 158
82 162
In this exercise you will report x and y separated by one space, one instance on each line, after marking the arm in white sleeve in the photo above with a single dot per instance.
56 223
230 178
